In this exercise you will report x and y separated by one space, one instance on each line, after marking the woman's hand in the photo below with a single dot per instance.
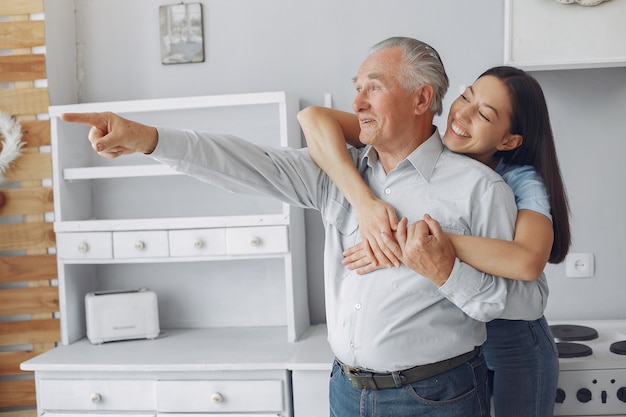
375 218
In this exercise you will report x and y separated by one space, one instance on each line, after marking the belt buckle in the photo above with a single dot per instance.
353 371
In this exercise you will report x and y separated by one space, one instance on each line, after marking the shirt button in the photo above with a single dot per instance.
358 306
387 191
352 345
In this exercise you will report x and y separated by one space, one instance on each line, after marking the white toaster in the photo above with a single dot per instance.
121 315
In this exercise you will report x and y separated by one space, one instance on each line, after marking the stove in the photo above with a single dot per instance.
592 376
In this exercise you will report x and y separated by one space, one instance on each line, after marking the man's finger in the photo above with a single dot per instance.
89 119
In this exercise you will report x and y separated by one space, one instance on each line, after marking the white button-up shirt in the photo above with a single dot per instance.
390 319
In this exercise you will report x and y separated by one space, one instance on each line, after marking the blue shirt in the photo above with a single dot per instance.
390 319
528 188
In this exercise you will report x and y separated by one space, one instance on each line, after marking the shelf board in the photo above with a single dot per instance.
280 219
179 103
128 171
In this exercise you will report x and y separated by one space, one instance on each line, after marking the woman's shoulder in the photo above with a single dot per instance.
516 174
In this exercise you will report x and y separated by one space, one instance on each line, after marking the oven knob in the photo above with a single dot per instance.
560 396
621 394
583 395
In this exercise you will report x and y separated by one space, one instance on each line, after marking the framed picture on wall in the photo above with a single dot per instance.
182 38
564 34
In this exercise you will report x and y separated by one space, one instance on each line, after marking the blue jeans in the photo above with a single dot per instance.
523 367
461 391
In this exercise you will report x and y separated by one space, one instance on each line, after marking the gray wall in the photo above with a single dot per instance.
310 48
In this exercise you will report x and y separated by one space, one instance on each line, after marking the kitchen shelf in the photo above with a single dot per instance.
74 174
228 269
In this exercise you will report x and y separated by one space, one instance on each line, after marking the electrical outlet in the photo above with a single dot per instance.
579 265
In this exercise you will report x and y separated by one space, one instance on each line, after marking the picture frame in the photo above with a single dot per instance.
549 34
182 33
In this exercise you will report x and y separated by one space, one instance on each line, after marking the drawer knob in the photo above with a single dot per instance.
140 245
198 244
95 397
216 398
83 247
255 241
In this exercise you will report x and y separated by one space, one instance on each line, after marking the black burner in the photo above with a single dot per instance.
619 347
571 332
573 350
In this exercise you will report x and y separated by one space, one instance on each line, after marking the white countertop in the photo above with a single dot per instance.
221 349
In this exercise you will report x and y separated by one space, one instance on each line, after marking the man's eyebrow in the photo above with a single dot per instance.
370 76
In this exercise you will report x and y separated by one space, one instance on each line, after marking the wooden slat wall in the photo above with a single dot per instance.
28 298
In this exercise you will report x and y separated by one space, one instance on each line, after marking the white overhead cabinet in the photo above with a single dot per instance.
564 34
228 270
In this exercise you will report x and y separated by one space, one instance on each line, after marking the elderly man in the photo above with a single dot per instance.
406 344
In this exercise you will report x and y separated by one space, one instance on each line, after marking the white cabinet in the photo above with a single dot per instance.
228 269
551 35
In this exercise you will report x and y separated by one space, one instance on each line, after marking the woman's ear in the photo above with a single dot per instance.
424 98
510 142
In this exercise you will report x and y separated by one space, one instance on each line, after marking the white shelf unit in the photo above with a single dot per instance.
117 219
228 270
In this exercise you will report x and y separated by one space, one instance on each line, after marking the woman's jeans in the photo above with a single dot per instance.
523 367
459 392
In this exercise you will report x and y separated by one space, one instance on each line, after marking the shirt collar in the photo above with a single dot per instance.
423 158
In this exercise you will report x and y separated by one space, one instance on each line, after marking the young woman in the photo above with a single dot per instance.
502 121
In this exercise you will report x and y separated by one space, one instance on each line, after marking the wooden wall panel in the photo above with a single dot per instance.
29 331
28 296
10 361
30 166
27 268
17 393
24 34
21 201
36 133
22 67
30 300
20 7
24 101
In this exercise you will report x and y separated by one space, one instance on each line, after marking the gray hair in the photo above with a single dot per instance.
422 65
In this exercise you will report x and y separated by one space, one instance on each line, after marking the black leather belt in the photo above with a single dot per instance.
373 380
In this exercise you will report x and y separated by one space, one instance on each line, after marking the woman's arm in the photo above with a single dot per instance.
327 131
524 258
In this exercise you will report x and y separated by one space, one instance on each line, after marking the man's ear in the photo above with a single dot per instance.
510 142
424 98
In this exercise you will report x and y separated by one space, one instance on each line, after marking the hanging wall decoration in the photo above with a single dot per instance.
11 141
182 39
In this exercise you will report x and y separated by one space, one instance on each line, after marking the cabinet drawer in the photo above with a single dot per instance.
220 396
60 394
197 242
84 245
140 244
253 240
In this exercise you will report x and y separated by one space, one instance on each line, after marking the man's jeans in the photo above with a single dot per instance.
459 392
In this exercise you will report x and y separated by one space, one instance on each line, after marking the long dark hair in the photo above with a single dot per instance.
531 120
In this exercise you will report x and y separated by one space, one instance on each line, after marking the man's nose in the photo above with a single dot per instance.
360 101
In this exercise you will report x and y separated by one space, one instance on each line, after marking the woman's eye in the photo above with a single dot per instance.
483 116
463 97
